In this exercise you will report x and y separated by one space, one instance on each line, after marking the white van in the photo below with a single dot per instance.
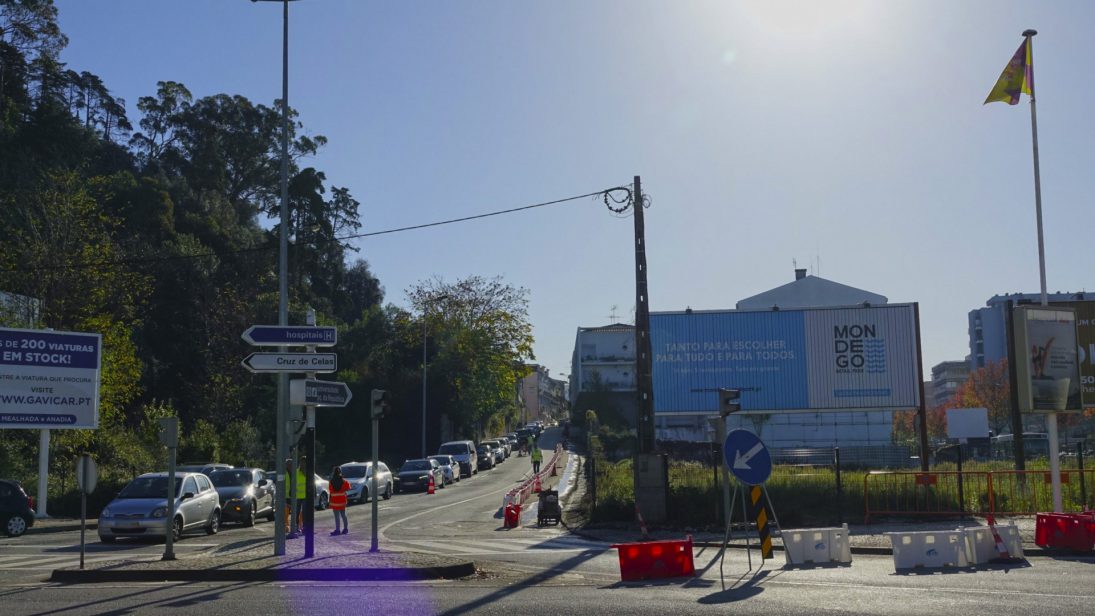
464 452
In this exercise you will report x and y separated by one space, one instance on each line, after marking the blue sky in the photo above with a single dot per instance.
850 137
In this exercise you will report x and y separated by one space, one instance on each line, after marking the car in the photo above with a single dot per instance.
416 474
506 445
449 466
360 474
485 456
204 468
245 494
16 508
323 489
497 448
141 508
464 452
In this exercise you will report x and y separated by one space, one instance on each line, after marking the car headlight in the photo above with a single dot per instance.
105 513
159 512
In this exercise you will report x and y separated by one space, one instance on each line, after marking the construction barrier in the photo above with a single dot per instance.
513 516
1071 531
938 548
810 546
655 559
949 493
525 489
981 545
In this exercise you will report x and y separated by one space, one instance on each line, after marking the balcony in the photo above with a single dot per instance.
608 359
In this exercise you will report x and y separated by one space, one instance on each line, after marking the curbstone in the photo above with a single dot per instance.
338 574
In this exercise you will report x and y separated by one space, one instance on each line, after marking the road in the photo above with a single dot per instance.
545 570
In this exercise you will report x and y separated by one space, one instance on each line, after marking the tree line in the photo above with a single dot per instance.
156 232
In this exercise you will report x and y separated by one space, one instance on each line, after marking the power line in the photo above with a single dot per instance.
163 259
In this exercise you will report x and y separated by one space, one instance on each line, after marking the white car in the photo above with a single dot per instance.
360 475
449 466
141 508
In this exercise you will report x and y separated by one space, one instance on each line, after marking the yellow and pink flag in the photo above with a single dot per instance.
1017 78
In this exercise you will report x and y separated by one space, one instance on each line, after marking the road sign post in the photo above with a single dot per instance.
169 436
87 474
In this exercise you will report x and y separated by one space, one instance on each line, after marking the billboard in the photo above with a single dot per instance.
49 379
1085 338
1047 359
824 359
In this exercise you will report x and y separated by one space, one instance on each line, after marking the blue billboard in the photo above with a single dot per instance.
787 360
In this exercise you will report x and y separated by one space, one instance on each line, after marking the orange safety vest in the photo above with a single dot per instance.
338 497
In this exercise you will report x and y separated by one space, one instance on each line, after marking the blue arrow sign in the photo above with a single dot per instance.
289 335
747 457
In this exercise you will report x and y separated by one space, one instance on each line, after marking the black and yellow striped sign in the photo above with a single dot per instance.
759 511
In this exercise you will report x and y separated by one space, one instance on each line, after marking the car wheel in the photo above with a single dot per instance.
364 496
324 500
177 529
270 517
15 526
107 538
214 524
388 492
250 521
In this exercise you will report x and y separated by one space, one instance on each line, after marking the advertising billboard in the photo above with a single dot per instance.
1047 359
1085 338
49 379
825 359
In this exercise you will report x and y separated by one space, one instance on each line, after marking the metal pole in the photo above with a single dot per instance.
424 315
839 486
84 468
43 473
725 473
283 278
310 468
1051 418
1080 467
1018 449
961 493
169 523
922 412
374 546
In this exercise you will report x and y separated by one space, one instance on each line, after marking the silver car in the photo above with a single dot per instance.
141 508
360 474
449 466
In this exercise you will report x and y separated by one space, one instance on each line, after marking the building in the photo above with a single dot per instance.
541 395
947 377
602 372
988 325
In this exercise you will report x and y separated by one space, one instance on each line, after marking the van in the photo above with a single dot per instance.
464 452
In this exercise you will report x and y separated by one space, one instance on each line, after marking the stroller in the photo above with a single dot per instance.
549 509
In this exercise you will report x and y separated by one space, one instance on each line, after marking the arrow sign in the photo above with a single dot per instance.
747 457
291 362
310 392
287 335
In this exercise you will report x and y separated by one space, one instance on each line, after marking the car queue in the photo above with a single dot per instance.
211 494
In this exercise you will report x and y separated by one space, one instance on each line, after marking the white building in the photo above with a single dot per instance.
541 395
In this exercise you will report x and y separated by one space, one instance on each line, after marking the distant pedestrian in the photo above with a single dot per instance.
537 457
301 494
338 501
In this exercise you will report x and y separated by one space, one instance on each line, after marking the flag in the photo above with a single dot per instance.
1017 78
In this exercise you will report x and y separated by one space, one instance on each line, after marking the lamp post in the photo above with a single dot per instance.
283 276
425 331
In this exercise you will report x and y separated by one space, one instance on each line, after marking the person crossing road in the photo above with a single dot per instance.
338 487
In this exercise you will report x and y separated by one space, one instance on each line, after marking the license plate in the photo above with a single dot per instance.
128 524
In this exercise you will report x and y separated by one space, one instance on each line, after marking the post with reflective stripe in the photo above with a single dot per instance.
760 515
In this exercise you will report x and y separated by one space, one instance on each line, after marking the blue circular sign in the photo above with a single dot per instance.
747 457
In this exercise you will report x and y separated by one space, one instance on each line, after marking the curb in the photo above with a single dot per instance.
340 574
60 528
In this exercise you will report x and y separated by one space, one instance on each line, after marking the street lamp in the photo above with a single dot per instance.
283 277
425 325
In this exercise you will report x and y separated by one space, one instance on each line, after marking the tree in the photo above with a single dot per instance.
989 387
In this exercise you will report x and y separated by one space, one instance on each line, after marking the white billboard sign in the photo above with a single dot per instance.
968 423
49 379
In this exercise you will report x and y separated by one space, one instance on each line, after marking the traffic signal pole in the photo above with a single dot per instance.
378 408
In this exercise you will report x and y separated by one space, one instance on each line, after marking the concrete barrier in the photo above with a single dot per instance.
944 548
808 546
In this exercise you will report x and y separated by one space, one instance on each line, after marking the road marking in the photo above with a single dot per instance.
933 589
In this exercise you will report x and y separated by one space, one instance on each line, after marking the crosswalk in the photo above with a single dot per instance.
497 546
70 557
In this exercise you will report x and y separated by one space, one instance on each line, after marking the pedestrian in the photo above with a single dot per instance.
338 501
301 493
537 457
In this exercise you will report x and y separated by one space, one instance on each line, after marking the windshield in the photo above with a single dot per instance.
442 460
416 465
149 487
483 449
231 479
355 471
453 449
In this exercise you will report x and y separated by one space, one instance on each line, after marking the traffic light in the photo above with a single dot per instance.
380 403
729 401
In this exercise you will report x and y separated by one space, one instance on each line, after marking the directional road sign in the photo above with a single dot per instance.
747 457
310 392
288 335
291 362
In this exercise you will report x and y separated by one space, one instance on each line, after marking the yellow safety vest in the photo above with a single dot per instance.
302 487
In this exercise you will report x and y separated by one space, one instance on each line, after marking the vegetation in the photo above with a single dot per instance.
155 232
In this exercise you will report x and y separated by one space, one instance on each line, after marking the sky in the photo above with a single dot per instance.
846 136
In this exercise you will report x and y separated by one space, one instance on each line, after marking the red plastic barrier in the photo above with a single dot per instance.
655 559
1071 531
513 516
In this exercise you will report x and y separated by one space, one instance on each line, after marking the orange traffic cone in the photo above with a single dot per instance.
553 473
536 484
429 488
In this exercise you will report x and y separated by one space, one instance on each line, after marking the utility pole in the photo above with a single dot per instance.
310 468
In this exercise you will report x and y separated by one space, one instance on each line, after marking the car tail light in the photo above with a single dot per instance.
30 502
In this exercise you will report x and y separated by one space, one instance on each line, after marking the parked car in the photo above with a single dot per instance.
415 474
16 508
245 494
141 508
497 448
205 468
360 475
464 452
323 489
485 456
506 444
449 466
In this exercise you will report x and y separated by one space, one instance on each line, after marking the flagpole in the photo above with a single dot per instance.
1051 418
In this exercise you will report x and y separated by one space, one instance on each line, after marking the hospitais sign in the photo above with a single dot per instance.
49 379
835 359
